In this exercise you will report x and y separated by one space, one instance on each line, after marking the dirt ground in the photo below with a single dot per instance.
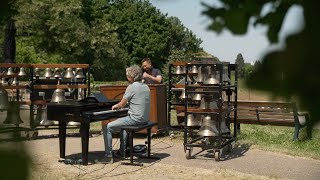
242 163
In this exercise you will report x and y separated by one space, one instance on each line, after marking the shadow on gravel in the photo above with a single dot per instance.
95 155
236 152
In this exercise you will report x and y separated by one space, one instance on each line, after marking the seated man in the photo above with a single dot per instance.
137 95
151 75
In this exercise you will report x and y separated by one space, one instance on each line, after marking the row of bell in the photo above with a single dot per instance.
21 72
14 81
57 73
203 75
13 109
208 125
180 93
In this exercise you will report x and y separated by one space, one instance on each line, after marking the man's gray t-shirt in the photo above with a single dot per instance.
138 96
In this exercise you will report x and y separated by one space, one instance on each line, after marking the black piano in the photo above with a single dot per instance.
84 112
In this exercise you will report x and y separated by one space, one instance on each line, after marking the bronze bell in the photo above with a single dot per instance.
37 72
15 81
193 120
43 117
69 74
10 71
207 102
58 96
183 94
13 114
3 81
199 78
4 103
194 70
211 80
208 127
79 73
223 126
178 70
57 73
22 72
48 73
197 97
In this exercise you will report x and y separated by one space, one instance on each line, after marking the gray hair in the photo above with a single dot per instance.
134 72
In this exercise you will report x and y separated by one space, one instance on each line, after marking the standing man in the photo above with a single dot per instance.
137 96
150 75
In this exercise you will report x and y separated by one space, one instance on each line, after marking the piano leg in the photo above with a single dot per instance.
84 131
62 138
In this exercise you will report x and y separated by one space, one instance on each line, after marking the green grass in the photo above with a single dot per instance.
280 139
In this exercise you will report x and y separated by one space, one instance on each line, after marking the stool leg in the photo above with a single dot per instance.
149 141
131 146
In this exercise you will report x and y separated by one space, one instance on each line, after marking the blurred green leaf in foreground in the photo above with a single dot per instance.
292 72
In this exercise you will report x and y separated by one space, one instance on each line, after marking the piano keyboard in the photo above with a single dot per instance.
110 111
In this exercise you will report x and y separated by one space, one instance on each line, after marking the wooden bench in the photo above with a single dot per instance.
131 130
271 113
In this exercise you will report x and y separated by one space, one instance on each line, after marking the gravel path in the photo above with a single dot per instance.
242 163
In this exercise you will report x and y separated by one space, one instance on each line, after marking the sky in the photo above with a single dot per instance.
227 46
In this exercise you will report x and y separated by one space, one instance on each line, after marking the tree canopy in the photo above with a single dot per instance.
107 34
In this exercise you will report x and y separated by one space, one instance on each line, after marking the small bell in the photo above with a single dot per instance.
178 70
48 73
22 72
10 71
57 73
79 73
69 74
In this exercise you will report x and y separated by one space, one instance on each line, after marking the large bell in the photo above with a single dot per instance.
80 93
48 73
3 81
57 73
41 117
13 114
37 72
199 78
15 81
69 74
197 97
193 120
178 70
208 127
10 71
223 126
183 94
4 103
194 70
58 96
44 120
79 74
226 74
22 72
211 80
207 102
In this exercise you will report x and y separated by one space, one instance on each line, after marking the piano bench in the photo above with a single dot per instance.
131 130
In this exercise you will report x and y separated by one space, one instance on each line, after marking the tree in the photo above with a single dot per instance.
69 32
292 72
240 62
145 32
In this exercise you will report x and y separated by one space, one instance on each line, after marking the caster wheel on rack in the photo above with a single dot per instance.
217 155
188 153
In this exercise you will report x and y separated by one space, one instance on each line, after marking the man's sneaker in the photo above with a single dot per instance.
105 160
